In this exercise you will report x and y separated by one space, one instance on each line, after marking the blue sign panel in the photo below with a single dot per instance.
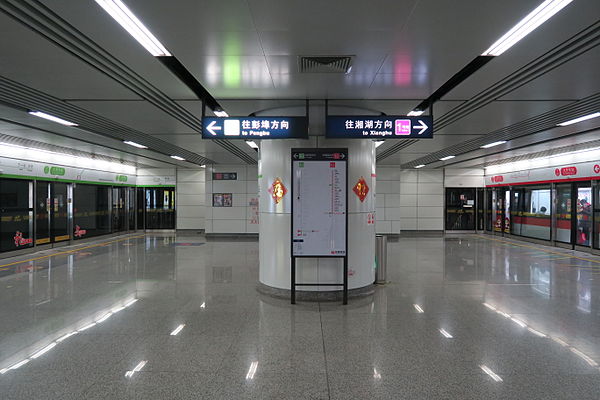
252 128
384 127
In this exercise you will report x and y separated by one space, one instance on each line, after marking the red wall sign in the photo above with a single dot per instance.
566 171
597 169
497 178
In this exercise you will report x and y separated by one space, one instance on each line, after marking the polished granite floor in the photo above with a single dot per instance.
176 317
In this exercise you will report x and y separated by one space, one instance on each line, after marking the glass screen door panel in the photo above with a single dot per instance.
460 209
59 217
596 243
42 213
563 225
584 216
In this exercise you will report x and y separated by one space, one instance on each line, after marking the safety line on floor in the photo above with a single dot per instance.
71 251
537 248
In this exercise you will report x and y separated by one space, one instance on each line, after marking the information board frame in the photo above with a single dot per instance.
308 155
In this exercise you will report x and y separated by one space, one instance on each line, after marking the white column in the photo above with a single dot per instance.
275 219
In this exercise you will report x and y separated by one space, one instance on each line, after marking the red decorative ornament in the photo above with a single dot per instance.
361 189
277 190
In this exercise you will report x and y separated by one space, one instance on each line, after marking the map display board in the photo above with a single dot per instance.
319 202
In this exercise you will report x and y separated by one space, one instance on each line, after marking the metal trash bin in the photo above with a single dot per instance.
380 259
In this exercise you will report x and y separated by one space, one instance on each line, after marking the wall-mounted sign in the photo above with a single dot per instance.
384 127
252 128
224 176
222 200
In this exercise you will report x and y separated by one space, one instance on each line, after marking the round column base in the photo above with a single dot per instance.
307 295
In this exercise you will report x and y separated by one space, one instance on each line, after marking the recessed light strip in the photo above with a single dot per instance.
178 158
498 143
134 144
446 158
52 118
534 19
576 120
123 15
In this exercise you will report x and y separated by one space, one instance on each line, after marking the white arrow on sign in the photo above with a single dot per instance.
211 128
422 126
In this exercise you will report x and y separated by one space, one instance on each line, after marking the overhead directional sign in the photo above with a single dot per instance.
384 127
252 128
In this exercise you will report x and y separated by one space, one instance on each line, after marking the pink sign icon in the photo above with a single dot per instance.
403 127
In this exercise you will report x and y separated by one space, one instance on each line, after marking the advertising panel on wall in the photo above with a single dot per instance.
556 174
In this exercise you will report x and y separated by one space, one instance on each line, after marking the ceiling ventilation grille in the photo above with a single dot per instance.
325 64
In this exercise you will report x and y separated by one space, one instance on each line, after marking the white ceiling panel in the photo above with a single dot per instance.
574 80
139 115
572 19
91 20
36 62
499 114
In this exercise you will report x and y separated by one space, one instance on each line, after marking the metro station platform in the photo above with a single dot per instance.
463 316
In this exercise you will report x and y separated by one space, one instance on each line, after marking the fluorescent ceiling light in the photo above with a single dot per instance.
576 120
536 332
221 113
446 334
252 144
252 370
19 364
134 26
134 144
376 374
519 322
52 118
177 330
87 327
415 113
104 317
498 143
131 302
418 308
68 335
44 350
178 158
446 158
203 305
491 373
137 368
420 166
534 19
379 143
